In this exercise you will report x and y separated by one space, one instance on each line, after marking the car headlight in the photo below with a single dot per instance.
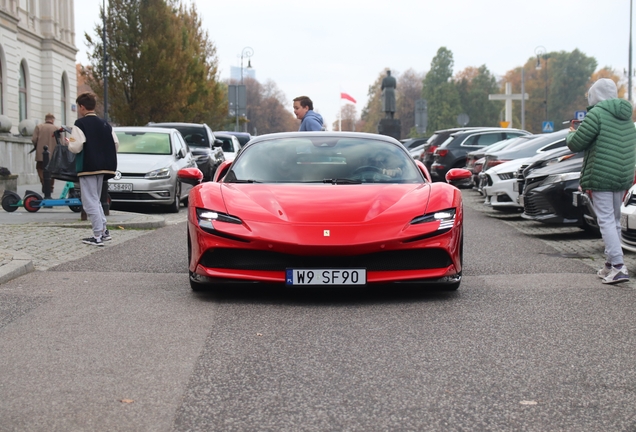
559 178
445 217
162 173
207 218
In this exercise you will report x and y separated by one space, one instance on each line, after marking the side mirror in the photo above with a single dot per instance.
222 170
456 176
422 168
180 154
192 176
217 143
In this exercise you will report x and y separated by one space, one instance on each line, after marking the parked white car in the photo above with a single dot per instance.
231 145
147 163
628 220
499 186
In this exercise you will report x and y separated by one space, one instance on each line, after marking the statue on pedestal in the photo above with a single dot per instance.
389 84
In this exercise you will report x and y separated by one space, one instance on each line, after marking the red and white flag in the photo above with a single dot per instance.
347 97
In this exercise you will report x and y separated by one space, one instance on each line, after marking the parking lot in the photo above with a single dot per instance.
570 242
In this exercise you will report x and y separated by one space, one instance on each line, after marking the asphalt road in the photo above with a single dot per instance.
116 341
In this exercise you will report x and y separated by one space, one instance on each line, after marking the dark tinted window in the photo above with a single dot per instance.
195 136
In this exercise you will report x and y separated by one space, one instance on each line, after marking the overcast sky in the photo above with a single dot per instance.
320 48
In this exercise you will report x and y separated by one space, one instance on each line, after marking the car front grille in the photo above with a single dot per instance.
241 259
536 204
129 196
629 236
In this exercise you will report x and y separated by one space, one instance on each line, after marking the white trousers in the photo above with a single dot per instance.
91 190
607 206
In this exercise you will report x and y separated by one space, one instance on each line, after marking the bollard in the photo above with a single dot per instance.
104 198
46 182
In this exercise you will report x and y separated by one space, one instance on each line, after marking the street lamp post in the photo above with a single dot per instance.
540 51
105 62
246 53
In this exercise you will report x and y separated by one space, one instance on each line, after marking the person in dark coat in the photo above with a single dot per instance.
95 144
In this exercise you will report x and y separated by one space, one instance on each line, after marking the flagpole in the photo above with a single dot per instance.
340 115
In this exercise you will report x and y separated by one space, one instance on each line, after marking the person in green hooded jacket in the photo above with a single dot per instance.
608 137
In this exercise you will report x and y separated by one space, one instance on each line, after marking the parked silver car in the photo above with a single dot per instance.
147 163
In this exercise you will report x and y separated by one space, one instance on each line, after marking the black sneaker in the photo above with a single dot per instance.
106 236
93 241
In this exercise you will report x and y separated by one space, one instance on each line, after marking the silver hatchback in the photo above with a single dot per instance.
147 163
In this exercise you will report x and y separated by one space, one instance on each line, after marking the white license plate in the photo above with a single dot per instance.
120 187
515 186
326 277
624 224
520 199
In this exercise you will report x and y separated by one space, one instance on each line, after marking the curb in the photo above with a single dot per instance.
19 264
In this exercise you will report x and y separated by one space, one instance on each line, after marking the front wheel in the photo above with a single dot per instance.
174 207
73 194
28 203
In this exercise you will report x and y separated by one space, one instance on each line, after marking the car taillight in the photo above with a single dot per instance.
441 152
431 149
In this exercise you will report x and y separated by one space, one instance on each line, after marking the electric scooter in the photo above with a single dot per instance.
33 201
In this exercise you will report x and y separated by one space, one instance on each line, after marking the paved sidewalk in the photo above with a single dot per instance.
51 236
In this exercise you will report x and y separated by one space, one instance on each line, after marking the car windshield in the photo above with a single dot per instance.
228 144
144 142
328 159
195 136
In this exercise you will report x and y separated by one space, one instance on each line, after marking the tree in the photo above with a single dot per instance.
563 77
372 112
441 93
266 112
409 85
474 85
348 120
162 64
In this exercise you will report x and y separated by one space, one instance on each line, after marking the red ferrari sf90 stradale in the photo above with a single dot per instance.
324 209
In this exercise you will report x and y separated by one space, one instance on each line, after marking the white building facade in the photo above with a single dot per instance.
37 74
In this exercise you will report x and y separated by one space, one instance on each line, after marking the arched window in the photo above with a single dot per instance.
22 94
63 102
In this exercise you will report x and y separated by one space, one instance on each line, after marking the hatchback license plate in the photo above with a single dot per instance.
624 223
120 187
326 277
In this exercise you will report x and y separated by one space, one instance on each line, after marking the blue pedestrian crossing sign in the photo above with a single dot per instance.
548 126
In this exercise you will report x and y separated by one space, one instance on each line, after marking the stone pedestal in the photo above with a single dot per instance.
390 127
9 182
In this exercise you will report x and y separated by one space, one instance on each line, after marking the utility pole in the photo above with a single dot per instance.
105 62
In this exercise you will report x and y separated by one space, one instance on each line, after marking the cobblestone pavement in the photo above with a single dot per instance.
570 242
50 246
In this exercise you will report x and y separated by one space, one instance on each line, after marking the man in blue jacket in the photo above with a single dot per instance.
304 110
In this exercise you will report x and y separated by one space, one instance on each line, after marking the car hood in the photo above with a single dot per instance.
142 163
229 156
566 166
510 166
319 204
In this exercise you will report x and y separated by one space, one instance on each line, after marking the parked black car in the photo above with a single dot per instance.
551 195
452 152
437 139
205 148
